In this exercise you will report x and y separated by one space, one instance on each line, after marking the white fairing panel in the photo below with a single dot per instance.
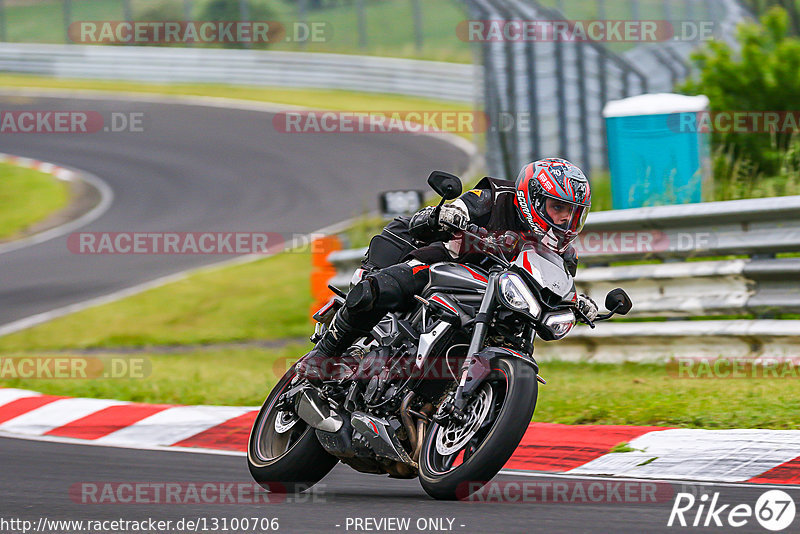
547 268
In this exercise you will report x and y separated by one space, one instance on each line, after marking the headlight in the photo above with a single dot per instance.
517 295
560 324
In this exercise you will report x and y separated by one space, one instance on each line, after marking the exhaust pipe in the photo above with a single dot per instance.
408 423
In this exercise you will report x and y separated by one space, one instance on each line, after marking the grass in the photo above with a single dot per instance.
312 98
238 377
266 299
321 99
27 196
576 393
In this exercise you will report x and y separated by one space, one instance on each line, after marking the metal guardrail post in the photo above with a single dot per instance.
689 6
362 24
2 20
635 15
244 15
661 59
602 73
582 98
687 69
67 13
563 121
533 101
416 9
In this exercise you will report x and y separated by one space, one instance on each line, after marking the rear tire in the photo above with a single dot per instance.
289 461
488 451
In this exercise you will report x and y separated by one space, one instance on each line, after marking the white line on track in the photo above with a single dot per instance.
229 103
542 474
505 472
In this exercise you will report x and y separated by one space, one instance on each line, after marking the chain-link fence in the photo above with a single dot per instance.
544 94
402 28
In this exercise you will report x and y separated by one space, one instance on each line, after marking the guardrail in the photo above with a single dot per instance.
759 284
429 79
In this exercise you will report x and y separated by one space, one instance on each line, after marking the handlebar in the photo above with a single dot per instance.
472 231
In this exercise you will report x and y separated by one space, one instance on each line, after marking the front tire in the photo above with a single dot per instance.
284 455
448 474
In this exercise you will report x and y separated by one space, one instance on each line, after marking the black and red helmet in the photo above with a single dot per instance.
558 220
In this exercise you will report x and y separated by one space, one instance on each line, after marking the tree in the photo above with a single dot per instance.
763 76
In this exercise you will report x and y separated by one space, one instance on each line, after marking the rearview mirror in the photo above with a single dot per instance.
618 301
447 185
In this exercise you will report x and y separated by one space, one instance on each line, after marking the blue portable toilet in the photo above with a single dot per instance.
657 151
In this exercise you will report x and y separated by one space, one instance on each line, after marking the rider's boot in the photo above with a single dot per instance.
322 362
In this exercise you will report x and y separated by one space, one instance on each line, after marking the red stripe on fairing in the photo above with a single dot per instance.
515 352
232 435
555 447
476 276
419 268
526 264
107 420
443 303
24 405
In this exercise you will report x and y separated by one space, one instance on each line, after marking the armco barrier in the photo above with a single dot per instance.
429 79
758 284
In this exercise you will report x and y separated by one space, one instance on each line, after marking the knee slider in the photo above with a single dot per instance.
362 297
395 285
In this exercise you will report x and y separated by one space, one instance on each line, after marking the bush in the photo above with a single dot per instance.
763 76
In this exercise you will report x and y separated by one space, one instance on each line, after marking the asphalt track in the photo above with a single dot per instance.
197 169
37 477
200 169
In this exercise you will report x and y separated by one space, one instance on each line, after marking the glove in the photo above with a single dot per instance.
587 307
455 216
424 227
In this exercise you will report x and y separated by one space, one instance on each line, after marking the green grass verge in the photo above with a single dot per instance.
312 98
27 196
266 299
576 393
322 99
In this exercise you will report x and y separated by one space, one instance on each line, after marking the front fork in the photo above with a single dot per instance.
475 367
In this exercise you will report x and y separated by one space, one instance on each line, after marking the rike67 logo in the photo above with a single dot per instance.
774 510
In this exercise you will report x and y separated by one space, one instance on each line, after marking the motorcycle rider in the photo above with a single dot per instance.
549 200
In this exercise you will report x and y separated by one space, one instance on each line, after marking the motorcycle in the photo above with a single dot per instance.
444 392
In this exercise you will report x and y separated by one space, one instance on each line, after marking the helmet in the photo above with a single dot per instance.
553 199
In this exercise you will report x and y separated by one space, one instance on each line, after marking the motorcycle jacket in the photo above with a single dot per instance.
490 205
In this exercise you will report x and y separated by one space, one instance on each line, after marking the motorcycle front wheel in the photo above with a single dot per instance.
458 459
283 452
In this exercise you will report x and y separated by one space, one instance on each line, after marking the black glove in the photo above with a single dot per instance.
425 227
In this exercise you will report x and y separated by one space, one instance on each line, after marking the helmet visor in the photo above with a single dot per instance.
565 216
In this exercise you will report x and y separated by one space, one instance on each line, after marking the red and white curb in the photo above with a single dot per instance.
760 456
67 175
61 173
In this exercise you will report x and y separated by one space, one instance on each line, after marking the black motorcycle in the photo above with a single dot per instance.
444 392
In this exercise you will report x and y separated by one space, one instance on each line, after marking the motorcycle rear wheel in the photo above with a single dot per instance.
448 474
285 456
